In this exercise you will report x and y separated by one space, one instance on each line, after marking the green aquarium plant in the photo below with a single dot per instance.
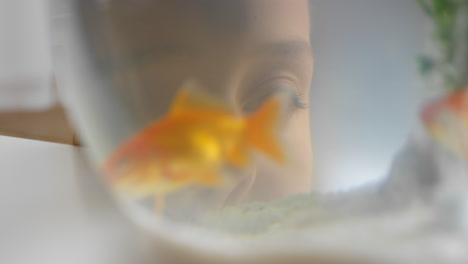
449 61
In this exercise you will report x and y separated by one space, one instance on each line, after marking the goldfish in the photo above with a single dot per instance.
192 145
446 120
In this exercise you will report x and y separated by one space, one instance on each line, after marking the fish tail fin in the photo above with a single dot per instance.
262 130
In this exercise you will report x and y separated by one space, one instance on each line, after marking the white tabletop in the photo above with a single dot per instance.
44 217
54 210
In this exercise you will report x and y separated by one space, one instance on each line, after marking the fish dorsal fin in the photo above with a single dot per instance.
188 100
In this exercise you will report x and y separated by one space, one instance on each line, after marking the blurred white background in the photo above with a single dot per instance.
366 89
25 62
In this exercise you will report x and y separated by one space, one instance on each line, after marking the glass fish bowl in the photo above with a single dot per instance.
190 107
205 113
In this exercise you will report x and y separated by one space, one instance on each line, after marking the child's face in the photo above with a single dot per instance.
241 51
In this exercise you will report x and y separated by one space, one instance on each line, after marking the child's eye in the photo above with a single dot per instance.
281 86
298 100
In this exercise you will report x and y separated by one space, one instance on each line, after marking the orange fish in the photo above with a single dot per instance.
192 145
447 121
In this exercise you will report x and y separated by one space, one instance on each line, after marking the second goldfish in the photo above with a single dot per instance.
447 121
